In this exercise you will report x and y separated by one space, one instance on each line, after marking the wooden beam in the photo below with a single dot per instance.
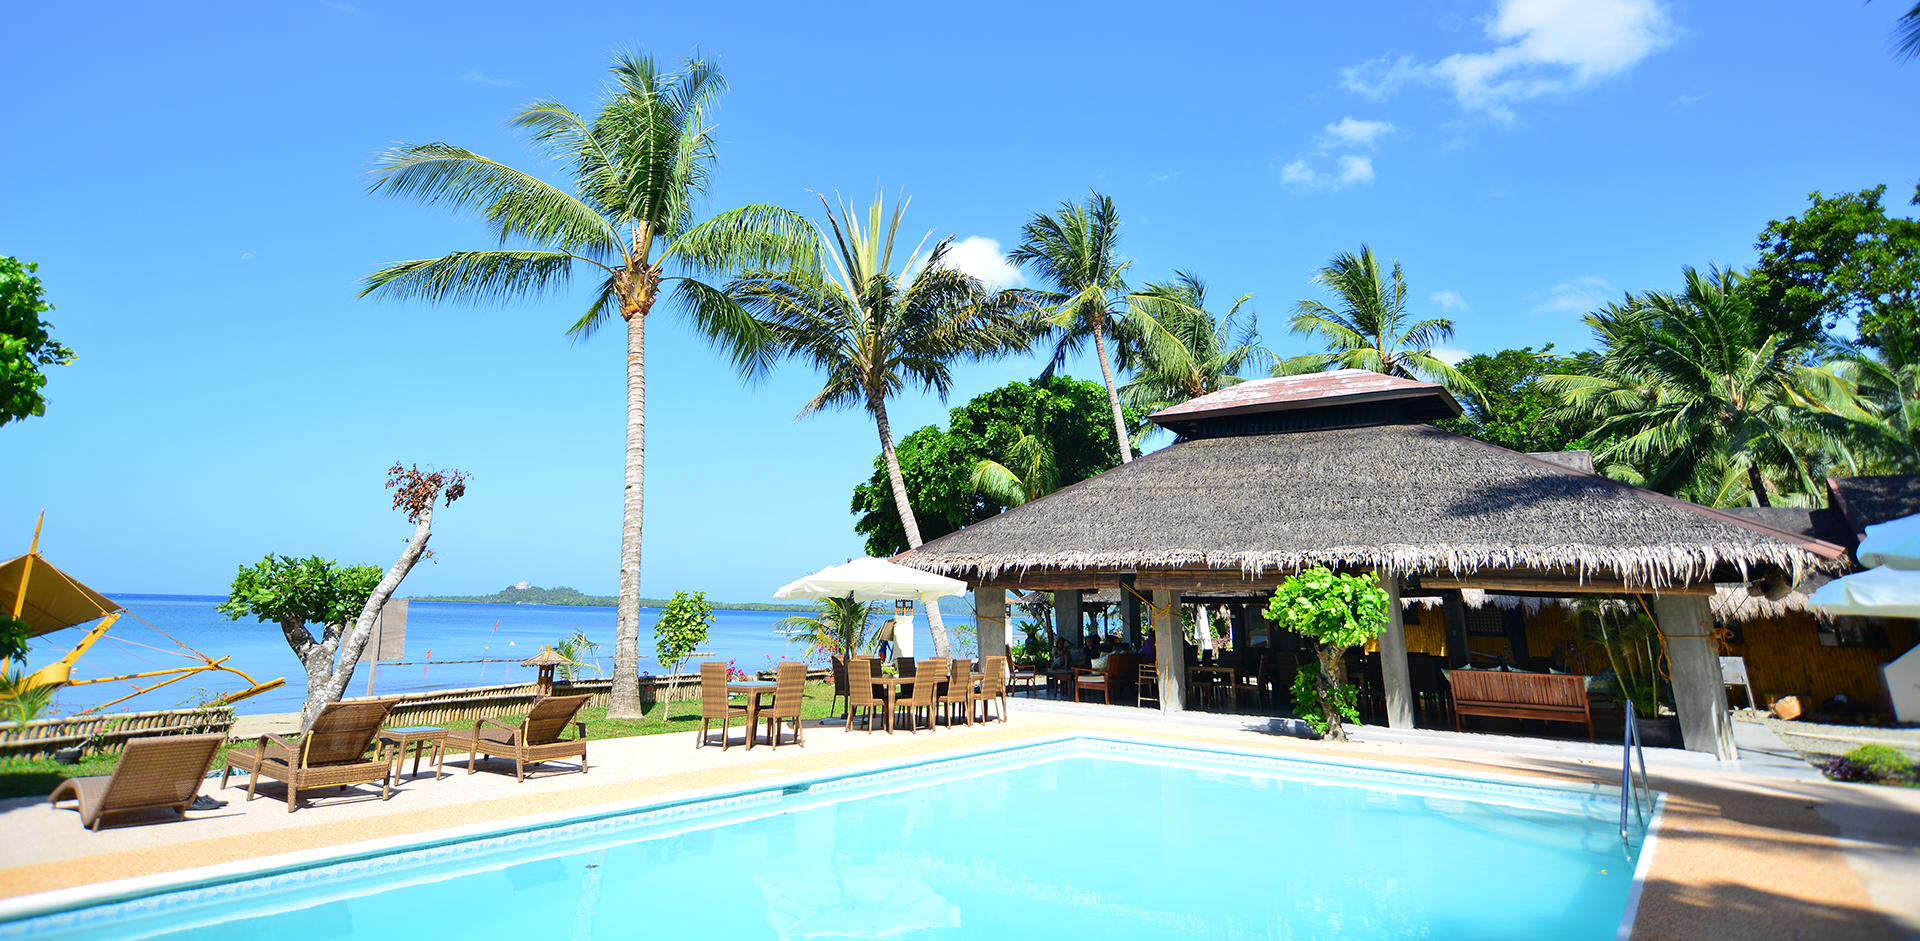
1202 581
1051 581
1548 584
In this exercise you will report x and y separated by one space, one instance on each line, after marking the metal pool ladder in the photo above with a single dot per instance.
1629 790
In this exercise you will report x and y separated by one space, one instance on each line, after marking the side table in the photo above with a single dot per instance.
420 736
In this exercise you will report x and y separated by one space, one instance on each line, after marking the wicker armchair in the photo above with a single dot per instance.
333 751
160 771
714 704
536 740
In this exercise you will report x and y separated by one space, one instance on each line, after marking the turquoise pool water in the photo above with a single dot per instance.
1074 841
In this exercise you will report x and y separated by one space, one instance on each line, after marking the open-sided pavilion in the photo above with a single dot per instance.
1343 469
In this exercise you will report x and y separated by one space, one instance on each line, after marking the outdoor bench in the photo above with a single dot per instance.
1555 697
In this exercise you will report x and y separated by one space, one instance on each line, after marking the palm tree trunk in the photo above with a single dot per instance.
1759 485
1113 396
878 406
625 703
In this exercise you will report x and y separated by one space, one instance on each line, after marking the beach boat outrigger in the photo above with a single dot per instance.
47 599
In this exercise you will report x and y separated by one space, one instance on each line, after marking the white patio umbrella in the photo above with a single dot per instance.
1894 543
871 579
1878 592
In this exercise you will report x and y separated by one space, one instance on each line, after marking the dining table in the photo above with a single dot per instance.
892 686
753 690
1209 677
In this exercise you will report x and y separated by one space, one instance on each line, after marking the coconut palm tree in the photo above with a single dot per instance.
872 328
1693 387
1184 352
1370 329
1027 471
638 167
1884 428
839 626
1075 251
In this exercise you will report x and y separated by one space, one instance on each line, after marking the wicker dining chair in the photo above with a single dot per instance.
957 691
153 772
789 695
715 704
919 697
333 751
861 697
993 687
839 681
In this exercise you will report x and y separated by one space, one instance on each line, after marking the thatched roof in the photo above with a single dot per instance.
1730 602
1409 498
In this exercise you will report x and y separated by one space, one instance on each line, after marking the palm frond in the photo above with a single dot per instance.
474 277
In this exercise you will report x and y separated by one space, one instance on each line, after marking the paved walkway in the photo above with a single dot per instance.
1747 850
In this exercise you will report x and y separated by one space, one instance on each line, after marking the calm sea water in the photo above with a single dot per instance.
439 631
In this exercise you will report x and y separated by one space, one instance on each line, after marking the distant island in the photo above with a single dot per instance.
513 594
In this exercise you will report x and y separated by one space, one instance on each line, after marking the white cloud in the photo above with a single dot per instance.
475 75
1355 169
1449 355
1358 132
1580 296
1155 179
1685 100
1352 168
1299 173
1449 299
981 257
1545 47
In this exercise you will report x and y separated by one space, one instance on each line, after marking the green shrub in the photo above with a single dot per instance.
1884 762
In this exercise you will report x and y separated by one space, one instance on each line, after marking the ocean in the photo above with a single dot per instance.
438 631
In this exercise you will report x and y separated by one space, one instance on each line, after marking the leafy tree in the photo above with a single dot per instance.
26 346
1069 414
683 626
1184 352
1338 612
1843 259
14 637
344 600
1513 407
639 167
872 328
1076 250
1370 329
1697 385
838 626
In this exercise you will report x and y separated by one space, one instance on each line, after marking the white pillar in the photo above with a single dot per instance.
1698 693
1170 651
990 621
1393 658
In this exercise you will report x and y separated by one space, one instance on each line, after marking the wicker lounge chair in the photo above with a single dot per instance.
331 752
534 741
789 693
160 771
714 704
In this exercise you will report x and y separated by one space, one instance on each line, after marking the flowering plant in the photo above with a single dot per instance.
734 672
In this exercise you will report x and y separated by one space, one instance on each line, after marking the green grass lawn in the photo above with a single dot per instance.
38 777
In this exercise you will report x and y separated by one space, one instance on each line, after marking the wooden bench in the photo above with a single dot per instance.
1550 696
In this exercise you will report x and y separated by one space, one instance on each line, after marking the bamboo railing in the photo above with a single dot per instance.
107 733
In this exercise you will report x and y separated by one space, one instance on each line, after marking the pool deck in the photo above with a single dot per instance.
1761 848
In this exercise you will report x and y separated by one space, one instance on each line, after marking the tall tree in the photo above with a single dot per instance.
1369 330
1842 259
1879 393
1076 251
1069 414
344 600
639 166
1513 408
1695 385
872 328
1184 351
26 346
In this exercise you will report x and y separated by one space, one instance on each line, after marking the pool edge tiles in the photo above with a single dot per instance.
83 906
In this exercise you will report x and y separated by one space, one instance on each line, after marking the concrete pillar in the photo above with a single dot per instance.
1170 651
1698 693
1453 609
1393 658
1067 621
1237 628
1130 611
990 620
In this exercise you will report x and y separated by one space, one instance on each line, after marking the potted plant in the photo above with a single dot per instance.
1632 641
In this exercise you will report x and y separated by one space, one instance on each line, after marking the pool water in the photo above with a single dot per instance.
1074 842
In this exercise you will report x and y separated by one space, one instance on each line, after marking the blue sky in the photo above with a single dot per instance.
189 180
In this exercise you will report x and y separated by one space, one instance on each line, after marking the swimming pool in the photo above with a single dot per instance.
1080 836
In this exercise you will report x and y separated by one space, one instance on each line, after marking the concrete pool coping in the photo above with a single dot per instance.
1743 854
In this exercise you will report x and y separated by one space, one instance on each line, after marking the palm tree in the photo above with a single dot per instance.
638 167
1370 330
1694 387
872 328
1184 352
837 626
1885 390
1074 250
1033 473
